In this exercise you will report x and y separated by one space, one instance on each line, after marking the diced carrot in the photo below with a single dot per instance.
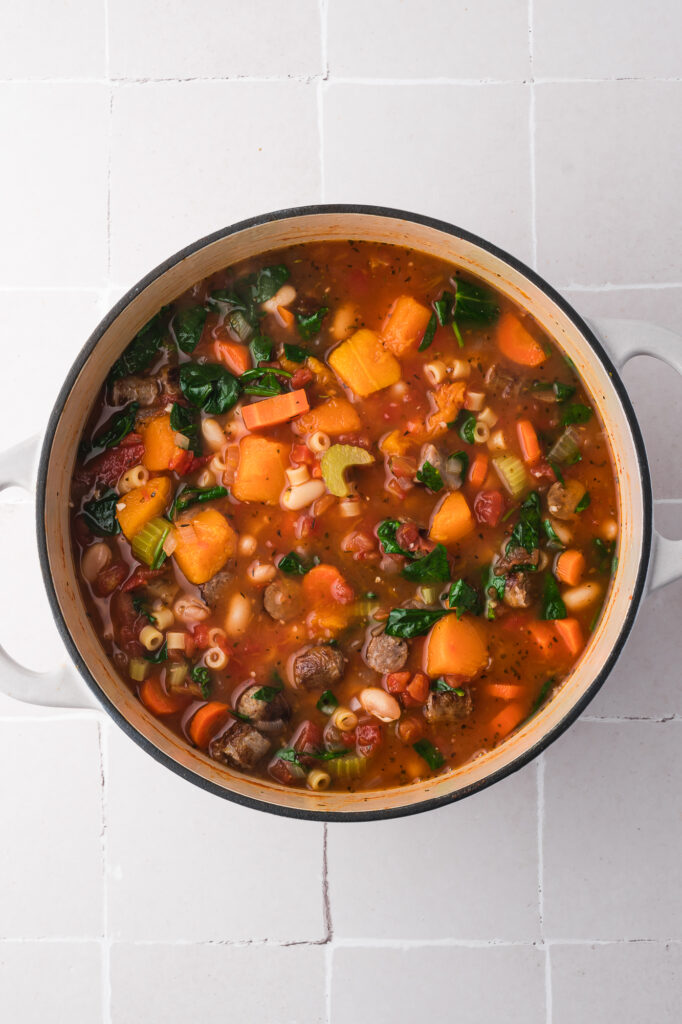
160 449
207 721
528 439
505 691
278 409
204 541
156 700
286 316
396 682
335 416
507 720
260 475
544 635
516 343
325 582
404 327
234 356
570 566
455 646
478 470
572 635
364 364
452 519
142 504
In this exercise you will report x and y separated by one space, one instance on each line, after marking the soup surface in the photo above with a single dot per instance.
344 516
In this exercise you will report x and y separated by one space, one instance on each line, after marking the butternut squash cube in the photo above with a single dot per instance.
335 416
142 504
260 473
452 520
204 541
364 364
160 448
405 325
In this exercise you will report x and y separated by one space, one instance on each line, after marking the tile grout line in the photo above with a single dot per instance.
336 80
106 938
328 924
359 943
531 142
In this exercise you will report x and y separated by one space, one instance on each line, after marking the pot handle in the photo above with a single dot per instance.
624 339
60 687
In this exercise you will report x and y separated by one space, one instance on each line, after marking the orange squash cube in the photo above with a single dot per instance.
364 364
142 504
160 449
405 325
260 473
452 520
204 541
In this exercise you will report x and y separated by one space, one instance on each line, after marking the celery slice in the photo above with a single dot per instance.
336 460
137 669
565 448
352 766
148 542
512 473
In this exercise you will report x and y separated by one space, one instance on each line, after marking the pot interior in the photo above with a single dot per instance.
142 303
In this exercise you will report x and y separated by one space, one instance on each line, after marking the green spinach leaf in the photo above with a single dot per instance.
327 703
464 598
429 334
100 514
209 387
430 477
142 348
576 413
188 326
552 605
432 568
309 325
431 754
411 622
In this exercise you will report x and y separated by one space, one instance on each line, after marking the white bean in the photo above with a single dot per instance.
190 609
238 615
295 498
581 596
284 297
609 529
261 573
95 558
247 544
213 434
382 705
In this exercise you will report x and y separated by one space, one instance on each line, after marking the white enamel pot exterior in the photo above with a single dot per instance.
597 353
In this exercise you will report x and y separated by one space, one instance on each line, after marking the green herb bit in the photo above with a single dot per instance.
327 703
444 308
296 353
430 477
604 551
202 676
526 533
552 605
209 386
432 568
156 657
576 413
431 754
268 282
309 326
196 496
464 598
465 424
429 333
141 608
474 304
260 348
584 502
268 693
294 565
493 591
542 696
440 685
100 514
290 755
120 426
552 536
386 532
411 622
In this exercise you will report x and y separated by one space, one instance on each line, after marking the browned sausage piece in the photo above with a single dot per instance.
283 600
241 747
518 590
386 653
318 667
263 711
144 390
212 591
448 708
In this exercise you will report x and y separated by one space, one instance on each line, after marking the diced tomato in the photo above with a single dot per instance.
308 738
396 682
181 461
417 690
302 453
301 377
342 591
200 636
543 471
140 577
488 507
107 580
109 466
409 730
127 623
368 738
285 772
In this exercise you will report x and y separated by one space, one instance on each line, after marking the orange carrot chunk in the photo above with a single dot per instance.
275 410
478 470
516 343
505 691
572 635
452 520
507 720
570 566
156 700
207 721
528 439
286 316
544 635
234 356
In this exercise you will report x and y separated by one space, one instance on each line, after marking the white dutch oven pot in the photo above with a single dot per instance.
596 353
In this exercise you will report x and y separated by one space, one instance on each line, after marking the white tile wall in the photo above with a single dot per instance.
129 130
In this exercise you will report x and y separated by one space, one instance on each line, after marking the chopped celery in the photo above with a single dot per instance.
176 675
137 669
148 543
351 766
512 473
565 448
429 594
240 325
336 460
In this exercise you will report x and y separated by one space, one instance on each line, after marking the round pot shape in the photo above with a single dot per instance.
258 235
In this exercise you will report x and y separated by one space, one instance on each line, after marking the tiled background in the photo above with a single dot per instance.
131 127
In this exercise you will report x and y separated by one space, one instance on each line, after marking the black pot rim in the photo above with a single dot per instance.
548 737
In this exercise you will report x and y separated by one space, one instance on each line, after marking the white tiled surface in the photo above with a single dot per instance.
131 128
